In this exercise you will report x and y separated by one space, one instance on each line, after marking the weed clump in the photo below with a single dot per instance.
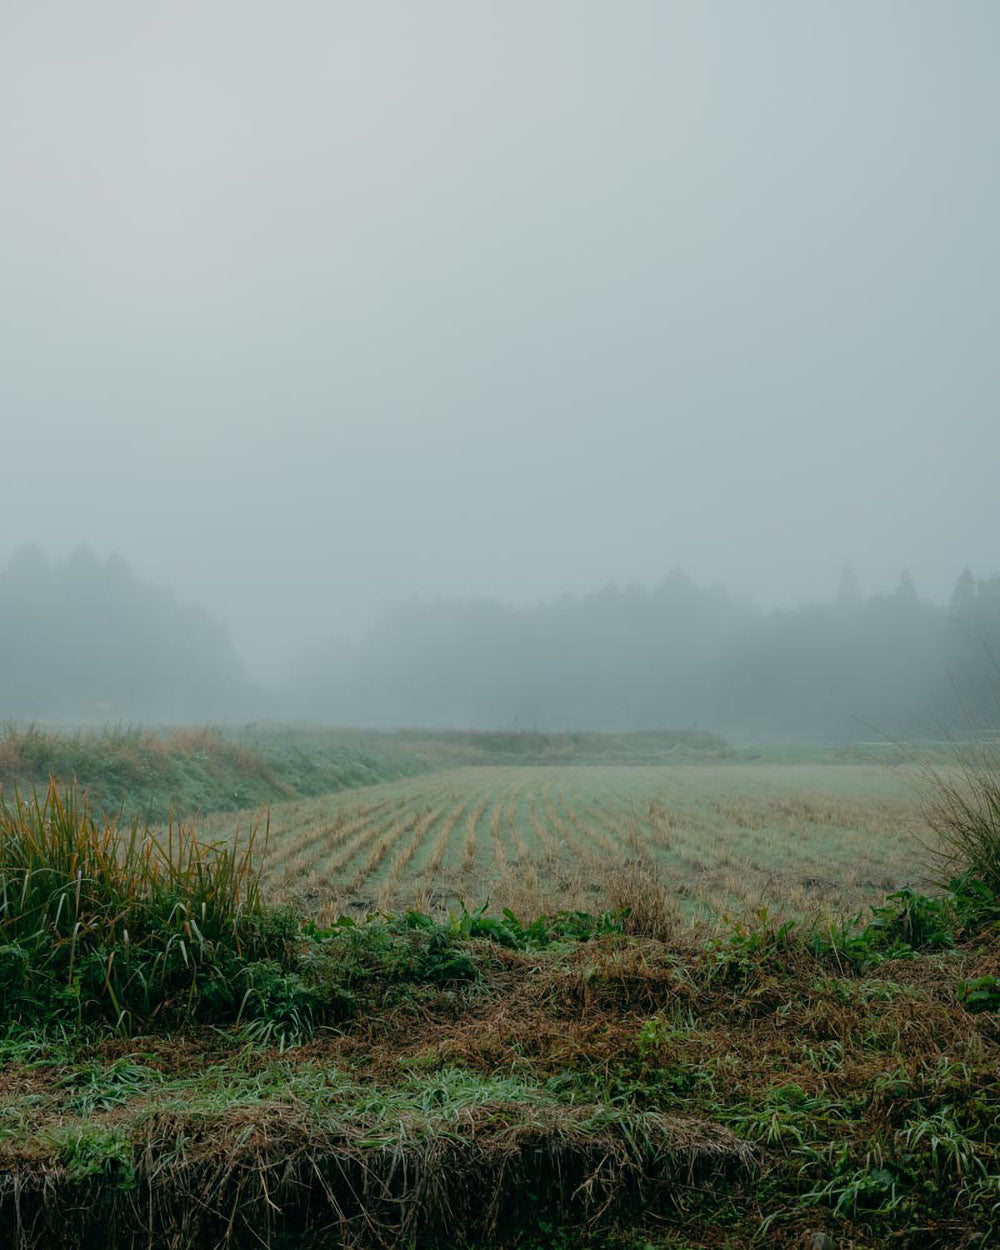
962 806
638 894
70 873
99 918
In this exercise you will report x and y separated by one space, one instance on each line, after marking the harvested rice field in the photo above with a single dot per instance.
720 837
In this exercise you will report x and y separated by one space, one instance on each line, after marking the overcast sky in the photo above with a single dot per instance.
306 307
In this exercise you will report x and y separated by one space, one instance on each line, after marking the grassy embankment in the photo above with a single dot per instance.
207 770
183 1064
199 770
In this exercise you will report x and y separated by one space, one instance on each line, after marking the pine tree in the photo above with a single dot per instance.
905 591
848 589
963 599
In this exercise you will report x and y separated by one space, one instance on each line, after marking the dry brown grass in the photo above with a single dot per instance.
636 889
471 831
244 1177
11 763
210 744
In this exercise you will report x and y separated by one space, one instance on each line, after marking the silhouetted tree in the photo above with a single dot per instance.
85 640
963 597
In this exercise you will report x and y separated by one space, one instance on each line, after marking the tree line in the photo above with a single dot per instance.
677 655
86 640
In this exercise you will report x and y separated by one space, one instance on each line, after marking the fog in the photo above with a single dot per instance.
309 309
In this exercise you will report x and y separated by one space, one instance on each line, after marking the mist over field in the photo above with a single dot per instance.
566 366
499 624
88 641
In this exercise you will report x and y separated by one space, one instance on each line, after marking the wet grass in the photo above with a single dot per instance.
197 770
182 1064
186 771
617 1091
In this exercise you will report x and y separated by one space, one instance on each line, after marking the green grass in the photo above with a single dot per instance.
183 1063
378 1149
199 770
605 1093
108 920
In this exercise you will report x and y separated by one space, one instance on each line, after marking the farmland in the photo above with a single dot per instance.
719 837
700 1023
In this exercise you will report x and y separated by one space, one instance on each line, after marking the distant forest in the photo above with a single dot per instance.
86 640
678 655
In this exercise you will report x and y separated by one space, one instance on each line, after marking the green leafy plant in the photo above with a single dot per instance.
851 1189
737 957
906 923
980 993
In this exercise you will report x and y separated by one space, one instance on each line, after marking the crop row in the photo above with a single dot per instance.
713 832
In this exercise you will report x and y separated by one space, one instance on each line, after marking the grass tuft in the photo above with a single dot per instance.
95 913
962 805
70 875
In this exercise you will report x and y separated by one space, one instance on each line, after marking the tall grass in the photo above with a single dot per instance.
116 915
962 806
65 870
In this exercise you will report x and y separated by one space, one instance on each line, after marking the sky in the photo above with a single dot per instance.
307 308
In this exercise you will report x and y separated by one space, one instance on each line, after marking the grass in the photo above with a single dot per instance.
111 925
73 873
284 1133
200 770
184 1064
109 920
616 1091
195 770
962 804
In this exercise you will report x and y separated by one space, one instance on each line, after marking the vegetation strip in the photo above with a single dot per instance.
182 1063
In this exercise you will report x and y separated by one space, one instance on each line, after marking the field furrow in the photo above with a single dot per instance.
718 835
